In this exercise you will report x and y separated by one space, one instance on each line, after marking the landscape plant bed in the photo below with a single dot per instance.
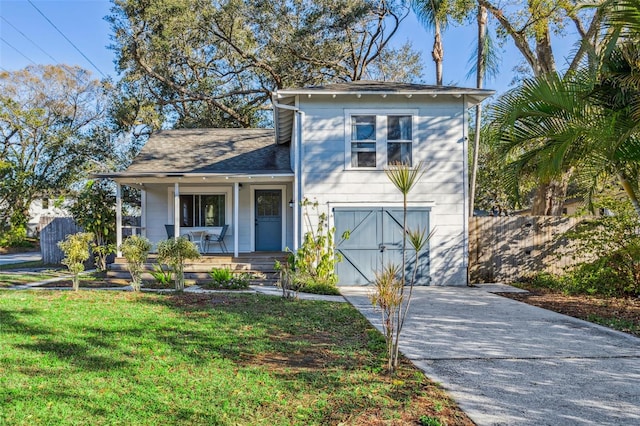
88 282
154 285
615 312
226 359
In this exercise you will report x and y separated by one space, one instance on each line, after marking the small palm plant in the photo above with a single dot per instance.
136 250
390 294
174 253
76 251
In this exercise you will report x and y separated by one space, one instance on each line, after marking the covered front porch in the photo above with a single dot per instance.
229 190
220 213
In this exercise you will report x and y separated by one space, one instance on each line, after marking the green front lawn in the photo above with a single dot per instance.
130 358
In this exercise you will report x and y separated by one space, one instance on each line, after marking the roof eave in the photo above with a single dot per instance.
479 93
156 175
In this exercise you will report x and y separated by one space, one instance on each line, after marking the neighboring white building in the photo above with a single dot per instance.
45 207
330 144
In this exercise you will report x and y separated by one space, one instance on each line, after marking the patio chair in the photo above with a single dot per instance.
219 239
171 231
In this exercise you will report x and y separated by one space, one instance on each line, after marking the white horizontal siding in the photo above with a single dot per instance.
159 211
439 141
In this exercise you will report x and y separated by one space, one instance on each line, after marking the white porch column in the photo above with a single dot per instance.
118 219
143 212
236 215
176 210
297 178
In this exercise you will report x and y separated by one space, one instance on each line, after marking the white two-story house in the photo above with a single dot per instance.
330 144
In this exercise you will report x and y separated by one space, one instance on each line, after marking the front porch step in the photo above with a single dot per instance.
260 265
259 279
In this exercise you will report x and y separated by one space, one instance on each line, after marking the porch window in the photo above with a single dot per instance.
399 139
363 141
202 210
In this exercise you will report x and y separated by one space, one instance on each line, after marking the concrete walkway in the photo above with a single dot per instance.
509 363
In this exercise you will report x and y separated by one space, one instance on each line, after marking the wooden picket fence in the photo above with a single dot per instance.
506 249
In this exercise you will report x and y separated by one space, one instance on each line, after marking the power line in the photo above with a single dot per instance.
17 50
65 68
32 42
67 38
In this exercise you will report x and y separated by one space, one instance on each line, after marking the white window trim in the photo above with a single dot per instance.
381 137
209 190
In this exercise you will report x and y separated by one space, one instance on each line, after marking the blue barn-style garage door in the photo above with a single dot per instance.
376 240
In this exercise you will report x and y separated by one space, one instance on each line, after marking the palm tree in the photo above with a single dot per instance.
486 64
433 16
584 123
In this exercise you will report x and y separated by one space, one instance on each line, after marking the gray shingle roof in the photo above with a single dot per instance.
250 151
371 86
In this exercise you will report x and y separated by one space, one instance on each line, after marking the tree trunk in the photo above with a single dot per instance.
480 70
549 197
438 52
546 63
631 193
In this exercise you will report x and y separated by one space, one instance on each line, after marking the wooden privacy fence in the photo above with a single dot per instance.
56 229
53 230
505 249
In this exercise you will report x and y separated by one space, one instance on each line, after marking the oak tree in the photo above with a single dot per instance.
200 63
51 129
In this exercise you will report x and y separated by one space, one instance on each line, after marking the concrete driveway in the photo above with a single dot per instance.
509 363
7 259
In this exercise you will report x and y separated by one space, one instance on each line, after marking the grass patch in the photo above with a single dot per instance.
215 359
87 280
8 278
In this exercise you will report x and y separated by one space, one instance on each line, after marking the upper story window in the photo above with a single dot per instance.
376 140
363 141
399 139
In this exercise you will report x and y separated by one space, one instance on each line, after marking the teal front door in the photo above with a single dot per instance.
268 219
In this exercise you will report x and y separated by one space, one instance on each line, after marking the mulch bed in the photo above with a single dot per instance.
623 312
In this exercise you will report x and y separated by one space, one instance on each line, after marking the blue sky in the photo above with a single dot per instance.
25 36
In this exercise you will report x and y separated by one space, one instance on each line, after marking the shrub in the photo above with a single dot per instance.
224 279
94 210
174 253
543 280
135 249
161 275
312 267
15 236
430 421
587 278
76 251
320 287
614 241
